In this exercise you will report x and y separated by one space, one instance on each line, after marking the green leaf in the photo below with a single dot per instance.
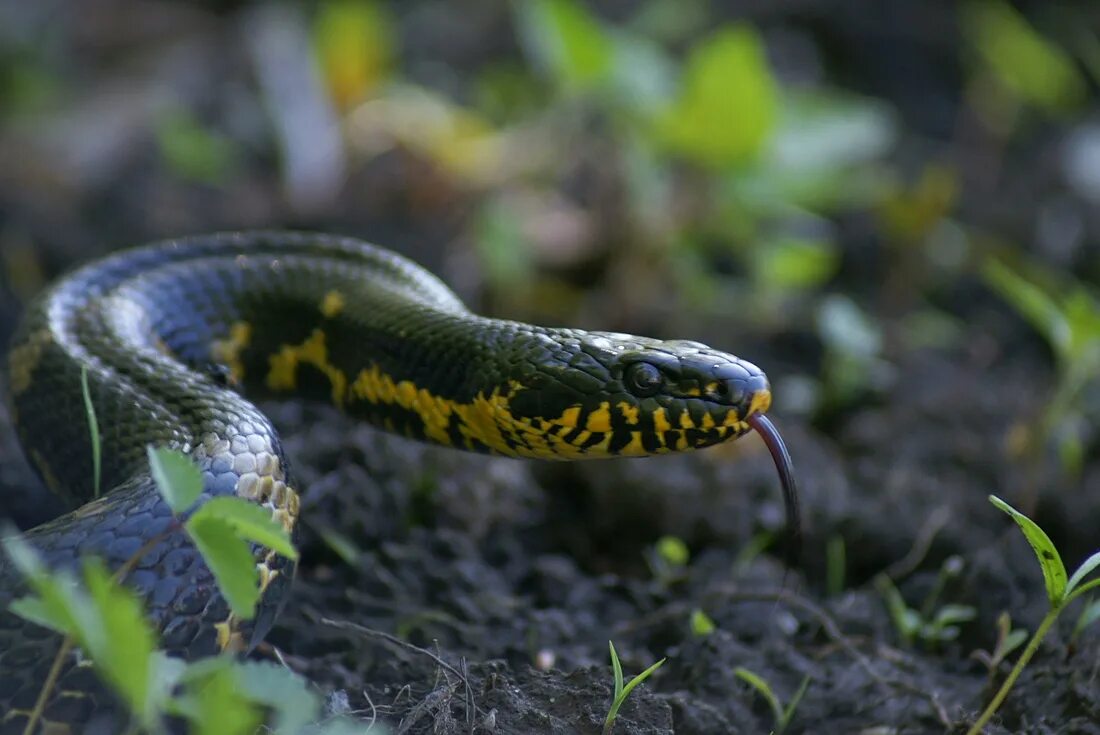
727 108
796 263
1054 572
565 40
281 689
231 561
126 659
1032 303
215 705
789 710
57 599
93 431
193 152
617 669
673 550
252 523
950 614
764 689
178 479
701 624
1086 568
1034 69
640 678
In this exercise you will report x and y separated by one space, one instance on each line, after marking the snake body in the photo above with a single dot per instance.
171 336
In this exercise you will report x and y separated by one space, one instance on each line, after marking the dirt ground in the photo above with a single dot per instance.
442 592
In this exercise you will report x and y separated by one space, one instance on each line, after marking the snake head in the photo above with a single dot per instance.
597 394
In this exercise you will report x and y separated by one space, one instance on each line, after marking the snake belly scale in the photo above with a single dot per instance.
172 336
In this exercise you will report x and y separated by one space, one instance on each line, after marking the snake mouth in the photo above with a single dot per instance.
763 426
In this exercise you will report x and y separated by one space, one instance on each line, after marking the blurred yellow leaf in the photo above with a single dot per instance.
728 104
354 42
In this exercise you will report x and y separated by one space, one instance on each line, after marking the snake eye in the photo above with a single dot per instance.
643 379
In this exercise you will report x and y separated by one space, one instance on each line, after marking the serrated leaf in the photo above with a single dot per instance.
39 612
281 689
728 105
56 598
177 478
230 559
252 523
215 705
1054 571
128 641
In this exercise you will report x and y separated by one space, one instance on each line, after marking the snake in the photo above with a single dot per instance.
166 341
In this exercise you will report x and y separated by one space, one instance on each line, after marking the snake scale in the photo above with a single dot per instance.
173 335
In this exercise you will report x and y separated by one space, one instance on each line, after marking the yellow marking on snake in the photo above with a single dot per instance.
660 420
24 359
228 351
761 402
332 304
685 420
708 421
599 419
283 373
629 412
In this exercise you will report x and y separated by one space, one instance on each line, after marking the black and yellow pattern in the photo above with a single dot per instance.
171 335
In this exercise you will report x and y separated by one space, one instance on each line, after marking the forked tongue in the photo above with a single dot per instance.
767 431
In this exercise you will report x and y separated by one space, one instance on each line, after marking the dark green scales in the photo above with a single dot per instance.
172 334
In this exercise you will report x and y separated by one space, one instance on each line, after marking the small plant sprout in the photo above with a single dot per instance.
930 624
668 560
1067 315
1061 591
701 624
92 609
782 715
1008 640
621 691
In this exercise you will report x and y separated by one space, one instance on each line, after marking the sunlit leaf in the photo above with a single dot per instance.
1033 68
564 39
251 522
215 704
728 102
126 659
231 561
1054 571
178 479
